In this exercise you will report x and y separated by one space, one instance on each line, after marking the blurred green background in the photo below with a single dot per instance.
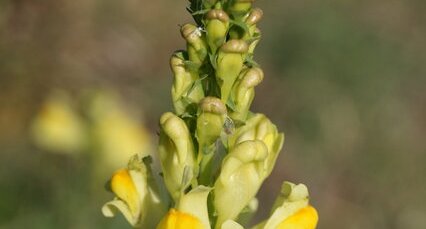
345 80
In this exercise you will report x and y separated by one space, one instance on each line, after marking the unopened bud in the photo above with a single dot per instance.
217 26
176 152
254 16
259 127
185 89
240 179
229 65
243 92
210 123
239 8
197 49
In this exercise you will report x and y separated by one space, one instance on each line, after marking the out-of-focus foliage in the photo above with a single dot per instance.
345 80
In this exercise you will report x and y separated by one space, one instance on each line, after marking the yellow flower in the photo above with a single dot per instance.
135 196
57 127
190 213
305 218
116 134
291 210
122 185
179 220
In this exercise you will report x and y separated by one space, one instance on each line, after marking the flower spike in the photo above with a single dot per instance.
214 152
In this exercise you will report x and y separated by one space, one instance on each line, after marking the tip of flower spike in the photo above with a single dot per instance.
212 105
217 14
235 46
254 16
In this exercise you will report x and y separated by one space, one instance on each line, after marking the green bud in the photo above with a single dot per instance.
210 123
217 26
243 92
185 89
240 179
230 62
239 8
196 46
254 17
176 152
259 127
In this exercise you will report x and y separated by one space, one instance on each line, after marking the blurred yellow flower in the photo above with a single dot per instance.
57 127
116 134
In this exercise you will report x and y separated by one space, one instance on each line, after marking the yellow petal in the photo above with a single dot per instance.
122 185
305 218
179 220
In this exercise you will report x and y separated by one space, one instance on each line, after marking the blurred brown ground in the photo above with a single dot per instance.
345 80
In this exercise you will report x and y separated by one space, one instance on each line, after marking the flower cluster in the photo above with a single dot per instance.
214 153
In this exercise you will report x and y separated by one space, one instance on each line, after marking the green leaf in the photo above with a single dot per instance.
240 24
196 83
250 62
213 60
200 12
